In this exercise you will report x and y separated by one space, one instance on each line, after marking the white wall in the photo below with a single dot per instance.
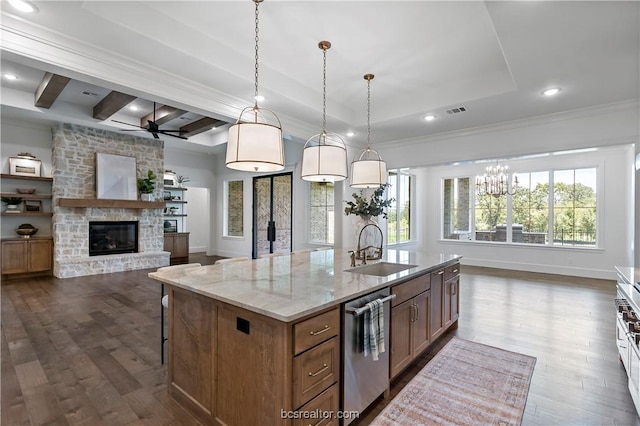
19 136
198 221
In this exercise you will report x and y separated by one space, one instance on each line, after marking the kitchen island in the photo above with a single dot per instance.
257 342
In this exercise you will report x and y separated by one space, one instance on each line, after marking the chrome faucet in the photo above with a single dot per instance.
353 258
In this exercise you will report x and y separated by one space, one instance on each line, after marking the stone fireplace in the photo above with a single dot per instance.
74 176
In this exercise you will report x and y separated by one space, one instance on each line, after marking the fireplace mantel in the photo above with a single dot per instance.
102 203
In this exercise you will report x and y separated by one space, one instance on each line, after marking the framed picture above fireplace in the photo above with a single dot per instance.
116 177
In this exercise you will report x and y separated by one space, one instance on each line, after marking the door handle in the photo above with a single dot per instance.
271 231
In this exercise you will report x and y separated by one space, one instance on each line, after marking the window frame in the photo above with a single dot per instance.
335 209
569 166
394 193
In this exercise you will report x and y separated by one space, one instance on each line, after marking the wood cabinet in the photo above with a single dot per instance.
26 255
177 243
231 366
436 325
410 332
424 308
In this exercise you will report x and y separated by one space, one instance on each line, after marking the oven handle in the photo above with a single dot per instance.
359 311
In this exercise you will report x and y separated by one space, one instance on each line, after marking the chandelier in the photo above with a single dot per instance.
496 181
255 140
367 169
324 158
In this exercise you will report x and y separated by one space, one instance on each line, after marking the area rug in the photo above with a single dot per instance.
466 383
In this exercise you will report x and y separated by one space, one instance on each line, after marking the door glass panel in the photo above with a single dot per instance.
282 213
262 212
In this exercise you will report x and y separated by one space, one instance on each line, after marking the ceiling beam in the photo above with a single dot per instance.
200 126
49 89
163 115
111 104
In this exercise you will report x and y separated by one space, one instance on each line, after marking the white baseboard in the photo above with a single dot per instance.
545 269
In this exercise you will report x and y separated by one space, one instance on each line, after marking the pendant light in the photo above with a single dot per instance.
255 140
324 158
367 169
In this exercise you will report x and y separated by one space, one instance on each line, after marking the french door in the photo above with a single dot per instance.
272 219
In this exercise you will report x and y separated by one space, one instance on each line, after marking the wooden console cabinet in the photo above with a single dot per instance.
177 243
27 255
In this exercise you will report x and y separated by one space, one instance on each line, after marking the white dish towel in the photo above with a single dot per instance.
374 329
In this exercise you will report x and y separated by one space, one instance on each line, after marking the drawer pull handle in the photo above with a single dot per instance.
441 272
454 271
315 333
324 368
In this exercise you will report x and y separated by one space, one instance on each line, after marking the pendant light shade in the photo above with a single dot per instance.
367 169
324 158
255 140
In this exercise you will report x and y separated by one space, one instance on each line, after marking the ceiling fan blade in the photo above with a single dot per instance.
128 124
173 136
155 135
127 130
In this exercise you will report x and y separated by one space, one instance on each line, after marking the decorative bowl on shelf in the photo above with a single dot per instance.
26 232
26 190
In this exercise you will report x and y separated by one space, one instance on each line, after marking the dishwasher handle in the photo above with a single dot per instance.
359 311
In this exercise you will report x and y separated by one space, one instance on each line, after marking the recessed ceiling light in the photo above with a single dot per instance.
429 117
11 76
551 92
133 108
351 134
259 98
23 6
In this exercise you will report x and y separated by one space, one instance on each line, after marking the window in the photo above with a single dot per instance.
322 212
399 212
550 207
233 212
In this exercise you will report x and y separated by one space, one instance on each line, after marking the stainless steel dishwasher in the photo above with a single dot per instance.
364 379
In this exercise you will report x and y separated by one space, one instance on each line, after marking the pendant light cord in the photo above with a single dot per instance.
368 114
257 39
324 93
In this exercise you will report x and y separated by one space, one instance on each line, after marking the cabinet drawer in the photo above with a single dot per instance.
315 370
326 402
410 289
316 330
451 271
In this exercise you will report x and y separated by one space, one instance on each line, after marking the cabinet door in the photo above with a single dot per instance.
451 301
168 243
181 245
421 330
401 346
437 313
39 255
14 257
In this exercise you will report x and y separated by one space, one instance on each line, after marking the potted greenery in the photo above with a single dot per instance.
12 203
147 185
182 180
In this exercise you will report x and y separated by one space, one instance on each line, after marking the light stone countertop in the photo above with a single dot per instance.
293 286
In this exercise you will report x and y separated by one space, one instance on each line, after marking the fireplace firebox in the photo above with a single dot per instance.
113 237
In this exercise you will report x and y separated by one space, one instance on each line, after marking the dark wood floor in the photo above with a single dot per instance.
86 350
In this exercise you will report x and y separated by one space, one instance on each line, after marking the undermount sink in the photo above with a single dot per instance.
380 269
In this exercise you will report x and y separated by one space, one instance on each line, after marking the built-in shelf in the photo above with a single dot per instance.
175 215
28 214
26 196
174 188
40 178
100 203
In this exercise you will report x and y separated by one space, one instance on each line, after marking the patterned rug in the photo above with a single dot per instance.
466 383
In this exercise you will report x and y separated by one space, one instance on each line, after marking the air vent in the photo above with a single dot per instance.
88 93
456 110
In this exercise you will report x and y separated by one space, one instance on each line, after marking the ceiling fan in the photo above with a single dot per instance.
153 128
